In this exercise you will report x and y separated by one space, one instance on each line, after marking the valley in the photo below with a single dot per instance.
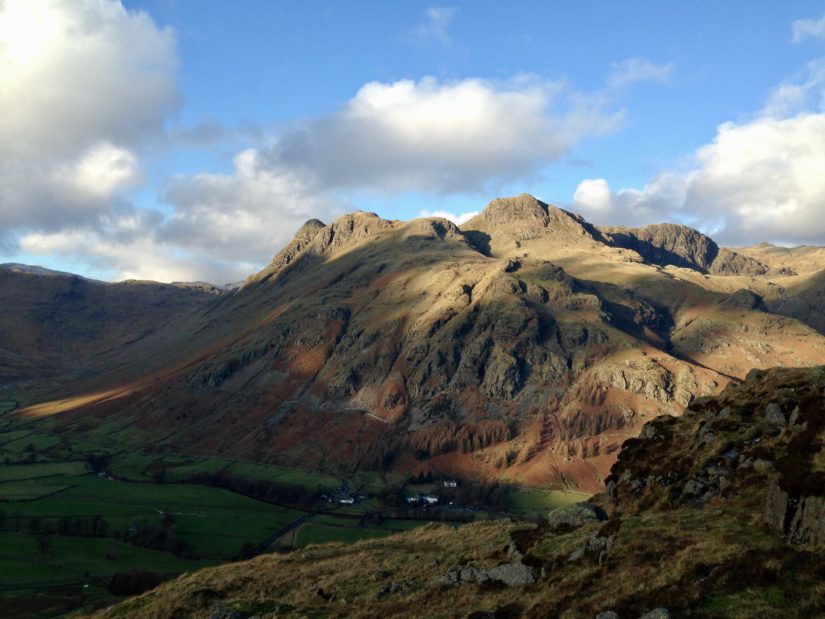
76 515
376 377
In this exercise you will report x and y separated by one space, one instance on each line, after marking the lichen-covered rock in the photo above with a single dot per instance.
575 515
512 574
800 519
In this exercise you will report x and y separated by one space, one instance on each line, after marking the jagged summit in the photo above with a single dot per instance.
523 226
665 244
509 226
522 208
682 246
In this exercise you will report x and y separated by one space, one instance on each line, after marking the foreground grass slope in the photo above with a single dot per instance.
687 505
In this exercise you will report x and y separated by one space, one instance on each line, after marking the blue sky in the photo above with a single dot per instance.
183 139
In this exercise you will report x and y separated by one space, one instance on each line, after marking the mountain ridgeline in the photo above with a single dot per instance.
525 345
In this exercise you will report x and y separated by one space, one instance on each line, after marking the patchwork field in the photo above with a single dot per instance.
76 513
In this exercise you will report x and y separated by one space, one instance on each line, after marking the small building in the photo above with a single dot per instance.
450 483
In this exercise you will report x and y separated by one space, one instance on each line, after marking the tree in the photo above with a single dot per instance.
36 525
44 540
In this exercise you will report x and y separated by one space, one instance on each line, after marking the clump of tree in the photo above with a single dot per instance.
158 535
134 581
381 455
97 462
475 436
94 526
264 490
434 440
483 495
421 478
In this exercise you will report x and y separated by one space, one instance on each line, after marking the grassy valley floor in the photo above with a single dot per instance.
74 514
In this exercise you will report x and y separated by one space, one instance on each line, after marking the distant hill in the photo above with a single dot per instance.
525 345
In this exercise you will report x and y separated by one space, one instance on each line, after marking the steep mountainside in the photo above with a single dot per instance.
57 328
525 346
718 513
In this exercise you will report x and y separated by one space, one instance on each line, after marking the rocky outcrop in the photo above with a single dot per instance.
507 225
729 262
800 519
681 246
666 244
574 516
598 546
513 574
764 436
305 235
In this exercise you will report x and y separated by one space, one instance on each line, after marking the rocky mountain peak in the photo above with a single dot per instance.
666 244
351 229
506 224
682 246
309 230
523 208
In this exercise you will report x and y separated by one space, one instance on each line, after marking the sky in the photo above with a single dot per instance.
184 140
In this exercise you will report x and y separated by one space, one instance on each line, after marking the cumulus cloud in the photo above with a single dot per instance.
635 70
440 137
437 21
85 83
245 216
758 180
802 29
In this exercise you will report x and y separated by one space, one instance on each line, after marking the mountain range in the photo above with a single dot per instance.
525 345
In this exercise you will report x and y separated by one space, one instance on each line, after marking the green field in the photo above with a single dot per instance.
13 472
537 502
308 480
46 482
75 559
324 533
65 530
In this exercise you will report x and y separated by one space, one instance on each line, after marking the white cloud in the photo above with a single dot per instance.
437 21
102 171
441 137
593 195
84 84
801 93
456 219
759 180
802 29
246 216
635 70
123 245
